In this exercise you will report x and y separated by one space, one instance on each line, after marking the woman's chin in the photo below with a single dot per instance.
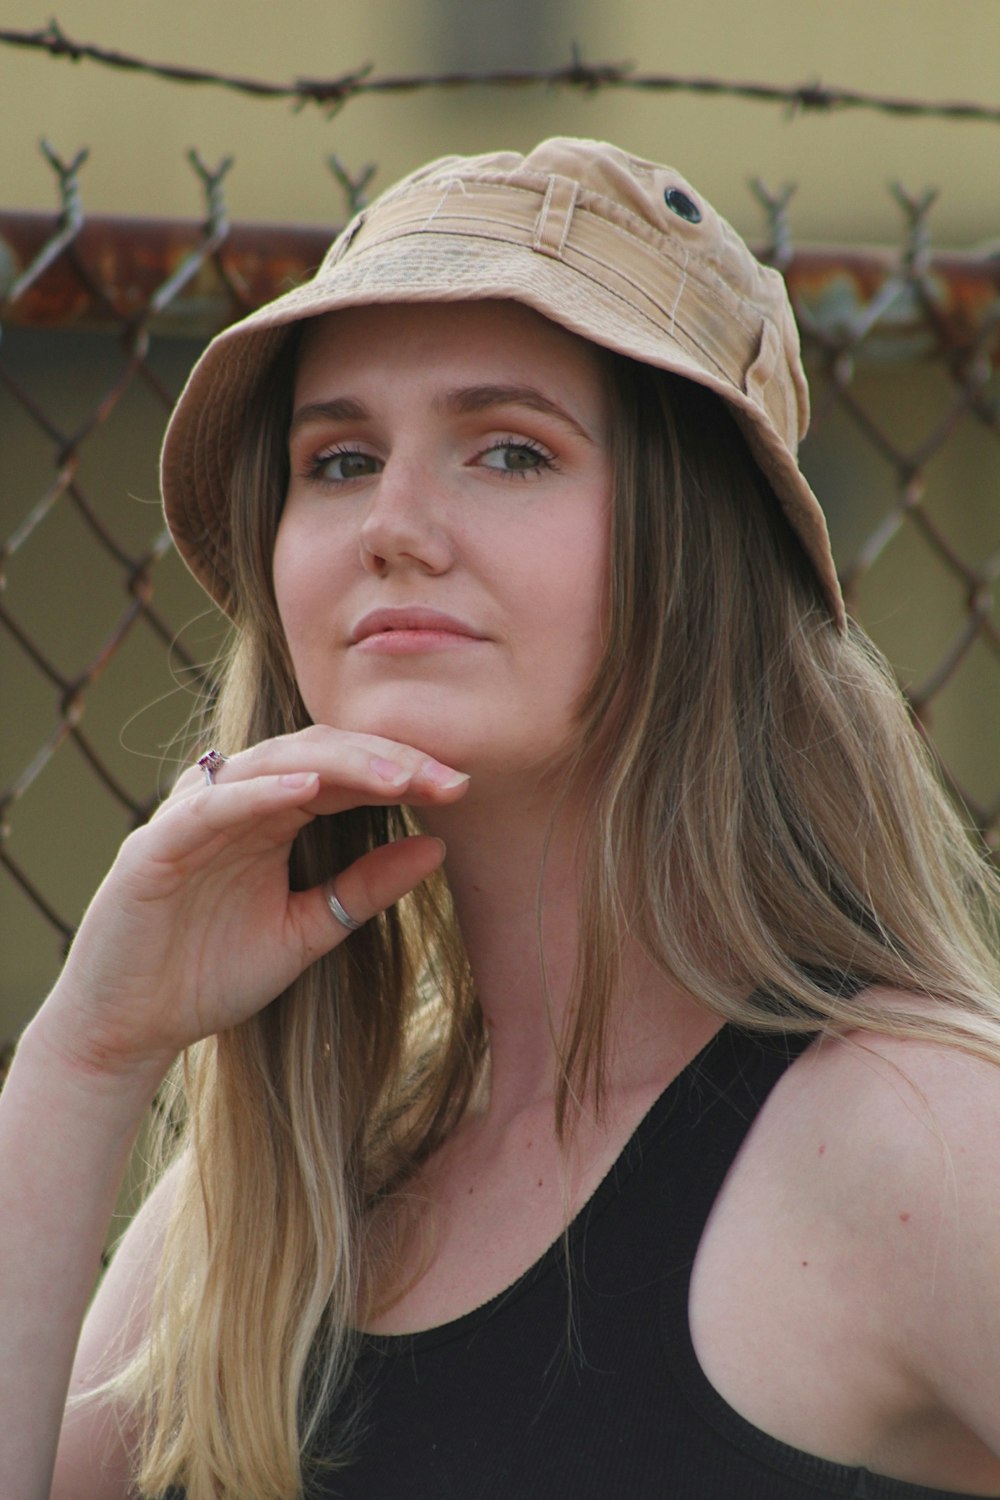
466 740
442 737
478 729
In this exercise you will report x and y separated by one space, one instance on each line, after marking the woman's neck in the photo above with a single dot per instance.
514 867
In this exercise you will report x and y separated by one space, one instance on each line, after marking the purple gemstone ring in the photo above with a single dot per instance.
210 763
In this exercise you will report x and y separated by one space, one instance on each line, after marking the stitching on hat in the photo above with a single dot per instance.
543 214
654 324
672 316
568 219
710 284
449 183
718 287
558 204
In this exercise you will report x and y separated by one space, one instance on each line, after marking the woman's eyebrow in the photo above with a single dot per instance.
463 401
467 400
343 409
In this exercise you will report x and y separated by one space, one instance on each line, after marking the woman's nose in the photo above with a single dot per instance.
405 526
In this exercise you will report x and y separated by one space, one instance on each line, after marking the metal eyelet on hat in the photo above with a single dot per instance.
684 207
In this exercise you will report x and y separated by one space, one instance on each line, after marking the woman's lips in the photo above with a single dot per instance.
405 642
399 632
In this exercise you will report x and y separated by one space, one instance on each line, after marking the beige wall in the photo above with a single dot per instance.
139 129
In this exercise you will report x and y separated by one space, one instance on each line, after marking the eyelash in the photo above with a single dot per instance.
547 463
314 466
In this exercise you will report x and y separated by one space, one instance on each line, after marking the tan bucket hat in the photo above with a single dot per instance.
619 250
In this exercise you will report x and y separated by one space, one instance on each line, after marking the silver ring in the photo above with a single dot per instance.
343 917
211 762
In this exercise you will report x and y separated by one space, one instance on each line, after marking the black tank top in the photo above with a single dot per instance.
581 1381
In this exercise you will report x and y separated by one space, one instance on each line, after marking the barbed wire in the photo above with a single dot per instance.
331 94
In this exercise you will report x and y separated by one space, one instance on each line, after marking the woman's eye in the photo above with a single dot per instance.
512 457
348 463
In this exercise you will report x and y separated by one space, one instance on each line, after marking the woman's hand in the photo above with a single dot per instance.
195 929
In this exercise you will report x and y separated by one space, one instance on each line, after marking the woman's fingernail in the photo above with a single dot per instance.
299 778
442 776
389 771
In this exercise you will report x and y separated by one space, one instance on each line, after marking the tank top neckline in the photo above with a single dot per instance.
651 1126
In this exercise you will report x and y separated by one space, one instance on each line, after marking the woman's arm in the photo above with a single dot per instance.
64 1144
193 931
96 1448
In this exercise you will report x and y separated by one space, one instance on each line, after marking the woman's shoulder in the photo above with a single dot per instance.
885 1116
892 1153
905 1096
852 1259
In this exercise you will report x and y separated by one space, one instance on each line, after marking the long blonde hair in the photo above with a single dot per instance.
765 821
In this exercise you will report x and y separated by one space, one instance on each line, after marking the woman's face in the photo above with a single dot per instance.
441 562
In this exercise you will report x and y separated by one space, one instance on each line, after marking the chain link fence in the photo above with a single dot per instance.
105 644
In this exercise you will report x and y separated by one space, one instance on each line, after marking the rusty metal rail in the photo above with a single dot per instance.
110 272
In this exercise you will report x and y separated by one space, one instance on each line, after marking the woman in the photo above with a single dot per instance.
646 1146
